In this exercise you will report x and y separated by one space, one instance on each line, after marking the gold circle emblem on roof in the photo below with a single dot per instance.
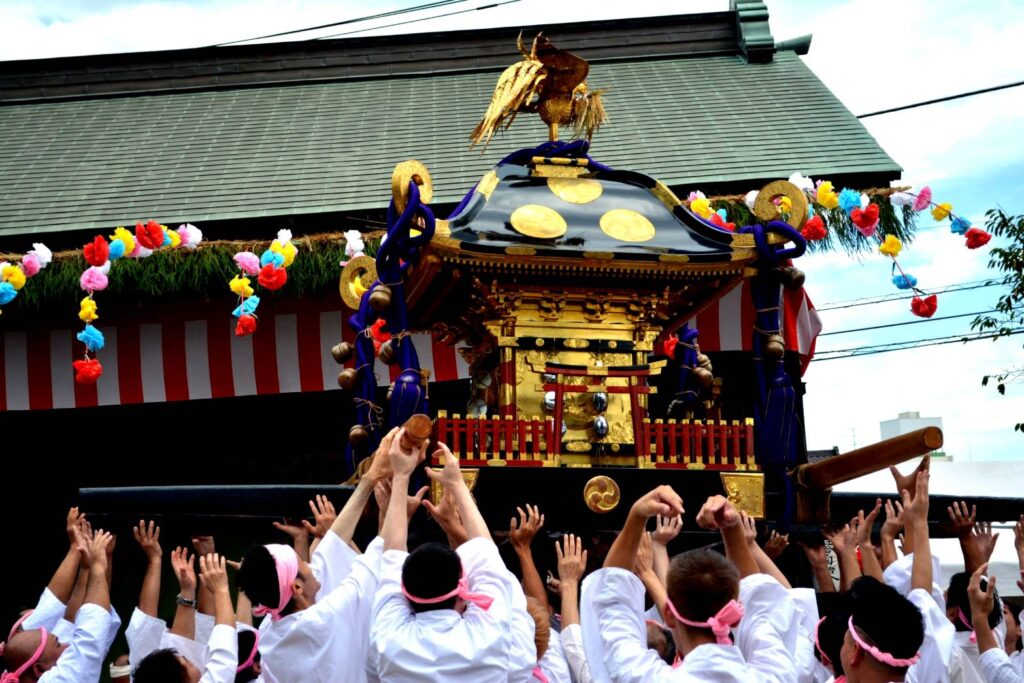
356 277
414 171
766 210
626 225
534 220
601 494
575 190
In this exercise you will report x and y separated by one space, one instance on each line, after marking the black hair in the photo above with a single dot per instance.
701 582
956 598
886 619
831 634
258 578
430 570
160 666
246 642
1015 613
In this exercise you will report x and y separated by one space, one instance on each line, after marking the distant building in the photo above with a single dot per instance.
908 422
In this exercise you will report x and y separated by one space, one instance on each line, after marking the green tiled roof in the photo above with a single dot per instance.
328 147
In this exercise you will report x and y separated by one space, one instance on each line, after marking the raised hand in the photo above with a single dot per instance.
961 523
916 509
984 540
382 494
749 528
893 520
401 462
450 474
718 513
72 526
661 501
982 600
666 528
204 545
98 556
296 532
816 555
380 465
572 559
842 538
214 573
644 557
776 544
909 482
181 561
530 522
1018 540
865 523
323 514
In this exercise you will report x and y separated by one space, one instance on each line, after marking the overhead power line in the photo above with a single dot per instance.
381 15
898 296
858 351
939 100
908 322
417 20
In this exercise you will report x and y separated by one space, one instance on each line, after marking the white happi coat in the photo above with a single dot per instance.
553 663
477 646
83 659
765 637
997 667
326 642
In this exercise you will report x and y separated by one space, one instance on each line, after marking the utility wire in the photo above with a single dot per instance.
858 351
899 296
415 21
909 322
938 100
381 15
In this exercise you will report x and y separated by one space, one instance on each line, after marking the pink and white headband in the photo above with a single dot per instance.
252 655
287 564
6 677
720 624
461 590
883 657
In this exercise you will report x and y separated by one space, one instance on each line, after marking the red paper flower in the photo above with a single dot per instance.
924 308
814 229
865 219
246 325
272 277
97 252
150 235
87 371
976 237
669 346
720 222
380 335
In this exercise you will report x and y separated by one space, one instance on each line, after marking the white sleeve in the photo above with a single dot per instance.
143 635
592 586
553 662
939 641
48 611
619 608
331 562
223 659
83 660
391 610
575 657
192 650
767 633
204 626
899 574
998 668
806 603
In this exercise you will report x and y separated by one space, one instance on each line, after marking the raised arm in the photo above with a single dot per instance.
63 581
214 577
396 520
665 529
572 563
765 564
843 542
97 591
661 501
451 478
206 545
719 513
915 513
908 482
890 530
185 616
862 528
818 558
446 514
982 598
148 538
380 468
521 535
324 516
644 569
961 523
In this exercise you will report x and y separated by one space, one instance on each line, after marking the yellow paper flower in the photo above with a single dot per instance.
891 246
125 235
240 286
14 275
826 196
785 204
175 238
87 313
941 212
701 206
289 251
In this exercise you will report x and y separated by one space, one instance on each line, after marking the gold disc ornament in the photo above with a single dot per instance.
766 209
356 278
601 494
405 172
575 190
627 225
541 222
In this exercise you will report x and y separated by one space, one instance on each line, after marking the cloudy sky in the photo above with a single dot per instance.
873 54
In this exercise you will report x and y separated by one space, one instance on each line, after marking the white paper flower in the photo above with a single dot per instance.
750 199
900 199
284 236
802 181
105 268
43 252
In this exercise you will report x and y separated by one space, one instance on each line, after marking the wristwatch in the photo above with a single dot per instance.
186 602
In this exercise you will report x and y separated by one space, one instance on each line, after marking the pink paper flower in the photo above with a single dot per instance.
923 199
93 280
248 262
30 264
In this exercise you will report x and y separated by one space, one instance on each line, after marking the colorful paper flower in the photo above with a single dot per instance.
924 307
354 245
87 371
190 235
43 252
7 293
93 280
247 307
271 258
286 250
718 221
923 199
30 264
173 238
97 252
904 281
246 325
849 200
976 237
901 199
941 212
865 220
750 199
802 181
892 246
272 277
701 207
959 226
92 338
13 274
784 203
87 310
814 229
150 236
105 268
248 262
141 251
123 234
668 346
117 250
695 195
240 286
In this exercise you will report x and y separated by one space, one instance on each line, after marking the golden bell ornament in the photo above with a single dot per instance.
775 346
704 377
347 378
380 298
792 278
704 362
386 353
342 352
358 435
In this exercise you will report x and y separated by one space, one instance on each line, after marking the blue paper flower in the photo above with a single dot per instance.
247 307
116 249
272 257
904 281
7 293
960 226
723 213
92 338
849 200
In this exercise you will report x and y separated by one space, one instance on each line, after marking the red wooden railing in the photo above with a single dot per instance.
486 440
701 444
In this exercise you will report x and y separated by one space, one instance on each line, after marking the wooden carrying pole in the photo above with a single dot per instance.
856 463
